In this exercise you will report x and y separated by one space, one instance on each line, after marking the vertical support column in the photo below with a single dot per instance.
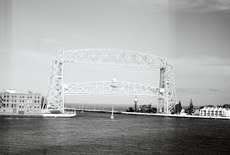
62 102
170 88
161 99
162 78
56 94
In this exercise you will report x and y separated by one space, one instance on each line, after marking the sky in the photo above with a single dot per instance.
194 36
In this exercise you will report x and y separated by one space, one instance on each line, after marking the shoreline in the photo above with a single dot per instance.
157 114
175 115
71 115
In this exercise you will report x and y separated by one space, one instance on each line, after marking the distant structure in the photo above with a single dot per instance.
135 103
12 103
215 112
165 93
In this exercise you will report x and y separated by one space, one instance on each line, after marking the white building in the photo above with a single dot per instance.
21 103
215 112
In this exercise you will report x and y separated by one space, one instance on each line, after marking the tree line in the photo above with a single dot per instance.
178 108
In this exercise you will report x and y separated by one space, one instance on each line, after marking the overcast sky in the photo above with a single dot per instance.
194 35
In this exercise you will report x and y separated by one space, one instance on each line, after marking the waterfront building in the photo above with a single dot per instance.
215 112
12 102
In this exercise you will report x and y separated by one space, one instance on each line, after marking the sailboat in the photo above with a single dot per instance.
112 117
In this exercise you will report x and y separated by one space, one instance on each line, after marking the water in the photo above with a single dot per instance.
96 133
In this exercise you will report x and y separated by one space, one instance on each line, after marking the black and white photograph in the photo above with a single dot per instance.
114 77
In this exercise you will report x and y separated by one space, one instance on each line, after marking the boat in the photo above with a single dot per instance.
112 116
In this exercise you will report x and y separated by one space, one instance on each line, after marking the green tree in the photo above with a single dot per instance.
190 109
178 108
153 110
130 109
226 106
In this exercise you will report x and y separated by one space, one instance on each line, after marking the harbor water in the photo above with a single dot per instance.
96 133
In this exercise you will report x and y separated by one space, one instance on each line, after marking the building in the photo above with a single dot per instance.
21 103
215 112
147 109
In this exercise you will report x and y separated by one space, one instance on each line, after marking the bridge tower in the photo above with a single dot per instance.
161 98
167 92
56 88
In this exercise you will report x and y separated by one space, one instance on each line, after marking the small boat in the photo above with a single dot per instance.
112 116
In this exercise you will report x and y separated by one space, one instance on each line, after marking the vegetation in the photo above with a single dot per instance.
147 109
130 109
226 106
190 109
211 106
178 108
144 109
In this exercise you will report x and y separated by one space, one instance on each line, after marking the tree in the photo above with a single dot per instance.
178 108
153 110
190 109
226 106
130 109
211 106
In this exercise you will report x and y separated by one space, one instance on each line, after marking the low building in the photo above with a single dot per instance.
215 112
147 109
21 103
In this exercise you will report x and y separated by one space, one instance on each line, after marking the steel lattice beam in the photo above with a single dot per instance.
110 88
